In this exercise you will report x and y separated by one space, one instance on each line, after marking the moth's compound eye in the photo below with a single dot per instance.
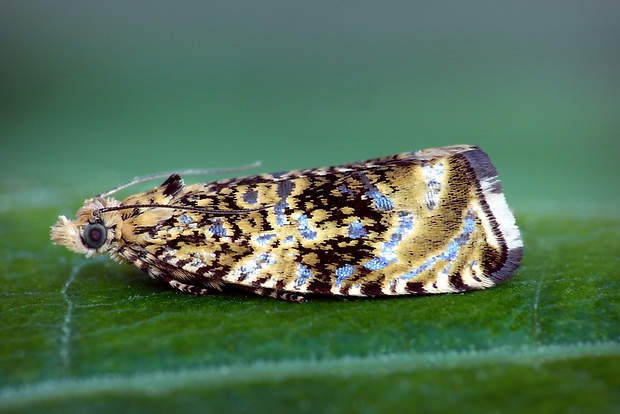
94 235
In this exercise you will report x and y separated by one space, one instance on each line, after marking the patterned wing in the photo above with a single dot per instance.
427 222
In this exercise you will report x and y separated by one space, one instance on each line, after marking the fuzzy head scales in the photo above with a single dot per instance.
71 234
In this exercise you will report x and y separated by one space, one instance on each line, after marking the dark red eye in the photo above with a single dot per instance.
95 235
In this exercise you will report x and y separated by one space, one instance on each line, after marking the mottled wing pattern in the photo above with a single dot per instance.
427 222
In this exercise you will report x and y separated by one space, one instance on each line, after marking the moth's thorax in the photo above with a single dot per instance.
142 229
70 233
137 226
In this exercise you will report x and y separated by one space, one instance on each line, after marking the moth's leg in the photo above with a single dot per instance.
183 287
277 294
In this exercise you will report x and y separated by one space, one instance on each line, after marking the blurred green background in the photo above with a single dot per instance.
95 93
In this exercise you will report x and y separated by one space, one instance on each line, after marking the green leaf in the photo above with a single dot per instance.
80 334
97 92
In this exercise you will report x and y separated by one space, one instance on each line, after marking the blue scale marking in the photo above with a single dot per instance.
303 275
432 194
217 229
451 251
378 263
263 260
185 219
279 209
343 272
304 228
264 239
250 196
381 202
388 254
357 230
433 174
283 189
344 189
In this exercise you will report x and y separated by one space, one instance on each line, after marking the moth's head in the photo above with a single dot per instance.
92 232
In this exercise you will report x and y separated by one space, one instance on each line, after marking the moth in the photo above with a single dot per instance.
432 221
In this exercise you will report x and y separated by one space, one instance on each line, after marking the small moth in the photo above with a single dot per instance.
432 221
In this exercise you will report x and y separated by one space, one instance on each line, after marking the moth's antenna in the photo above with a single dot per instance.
97 212
138 180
